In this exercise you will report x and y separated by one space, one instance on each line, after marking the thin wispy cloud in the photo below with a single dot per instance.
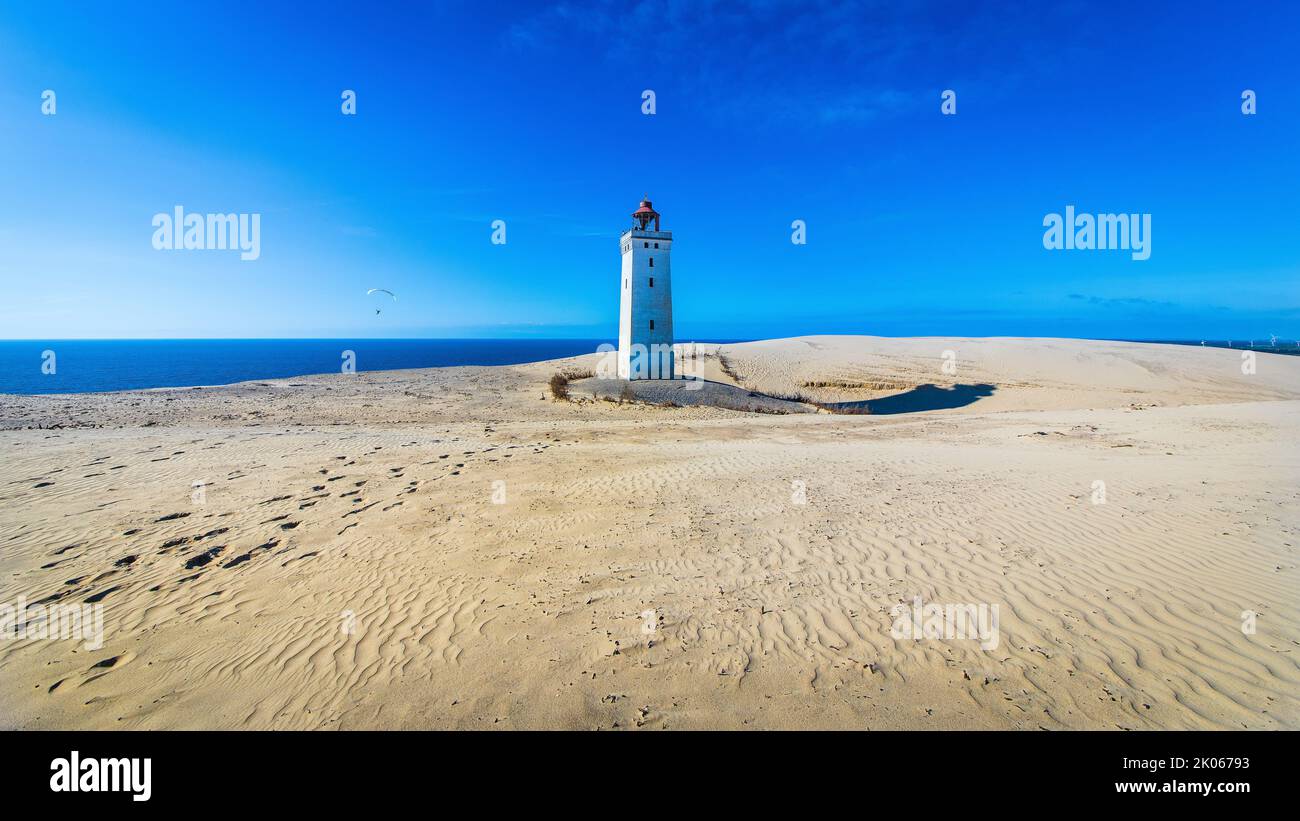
819 63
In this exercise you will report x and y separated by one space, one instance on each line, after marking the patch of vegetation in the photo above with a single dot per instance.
560 380
559 387
726 365
835 383
853 409
849 385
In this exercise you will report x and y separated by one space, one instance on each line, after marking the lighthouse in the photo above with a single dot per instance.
645 312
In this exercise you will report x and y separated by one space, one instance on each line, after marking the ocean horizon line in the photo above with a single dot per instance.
613 338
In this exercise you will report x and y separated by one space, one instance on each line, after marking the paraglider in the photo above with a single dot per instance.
381 291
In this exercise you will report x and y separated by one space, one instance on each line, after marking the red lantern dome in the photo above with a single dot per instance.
645 215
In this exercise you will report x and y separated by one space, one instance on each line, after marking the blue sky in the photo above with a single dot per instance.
918 223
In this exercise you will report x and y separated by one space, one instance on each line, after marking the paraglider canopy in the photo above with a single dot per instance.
381 291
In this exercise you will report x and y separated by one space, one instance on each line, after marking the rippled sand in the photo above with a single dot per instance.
452 548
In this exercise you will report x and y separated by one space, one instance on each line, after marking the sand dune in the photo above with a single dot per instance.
452 548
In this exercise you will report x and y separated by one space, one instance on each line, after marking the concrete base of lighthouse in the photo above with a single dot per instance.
641 361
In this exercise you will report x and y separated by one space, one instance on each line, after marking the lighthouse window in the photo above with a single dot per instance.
646 244
652 324
652 282
656 245
652 262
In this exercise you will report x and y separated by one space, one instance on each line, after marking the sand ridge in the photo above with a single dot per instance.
350 565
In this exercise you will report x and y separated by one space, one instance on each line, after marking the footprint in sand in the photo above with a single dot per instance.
173 543
303 556
98 670
98 597
203 558
240 559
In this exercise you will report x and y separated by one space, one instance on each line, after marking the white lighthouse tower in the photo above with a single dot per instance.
645 313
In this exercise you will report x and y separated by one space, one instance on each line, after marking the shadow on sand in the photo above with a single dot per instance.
920 398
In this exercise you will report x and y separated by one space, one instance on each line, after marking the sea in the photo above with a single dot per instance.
89 366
